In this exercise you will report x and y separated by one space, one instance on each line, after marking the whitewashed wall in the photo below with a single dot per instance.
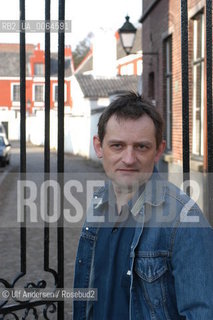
78 132
77 135
13 119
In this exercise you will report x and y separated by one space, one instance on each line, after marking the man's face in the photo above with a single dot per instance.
129 150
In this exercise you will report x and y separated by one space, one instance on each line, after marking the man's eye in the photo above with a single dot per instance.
141 147
116 146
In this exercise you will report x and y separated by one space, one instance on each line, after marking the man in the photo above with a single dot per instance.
152 257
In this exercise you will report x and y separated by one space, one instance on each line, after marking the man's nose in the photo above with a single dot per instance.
128 156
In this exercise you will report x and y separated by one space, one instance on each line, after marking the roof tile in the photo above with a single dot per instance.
103 87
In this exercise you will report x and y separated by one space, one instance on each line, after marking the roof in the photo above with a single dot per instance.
10 64
10 60
54 66
15 47
86 64
103 87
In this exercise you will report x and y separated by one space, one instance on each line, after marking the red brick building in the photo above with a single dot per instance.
35 81
161 43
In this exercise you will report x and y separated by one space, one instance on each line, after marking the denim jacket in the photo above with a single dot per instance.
171 257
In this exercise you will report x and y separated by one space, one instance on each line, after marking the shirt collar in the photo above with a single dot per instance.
155 189
153 193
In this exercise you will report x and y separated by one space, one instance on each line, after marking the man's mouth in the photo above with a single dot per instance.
127 170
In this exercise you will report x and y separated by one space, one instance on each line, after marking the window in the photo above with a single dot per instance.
168 91
15 92
38 69
39 93
198 84
151 92
55 92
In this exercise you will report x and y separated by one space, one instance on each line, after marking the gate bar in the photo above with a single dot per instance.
185 90
60 162
209 109
47 91
47 131
209 83
23 130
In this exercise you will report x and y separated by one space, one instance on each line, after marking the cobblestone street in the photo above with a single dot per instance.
76 168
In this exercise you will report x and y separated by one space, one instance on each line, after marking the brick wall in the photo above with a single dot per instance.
163 20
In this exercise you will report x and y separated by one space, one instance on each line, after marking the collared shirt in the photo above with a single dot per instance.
112 255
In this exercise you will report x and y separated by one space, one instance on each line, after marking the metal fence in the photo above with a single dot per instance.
185 101
10 310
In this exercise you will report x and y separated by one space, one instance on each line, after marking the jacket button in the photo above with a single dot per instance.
79 261
156 302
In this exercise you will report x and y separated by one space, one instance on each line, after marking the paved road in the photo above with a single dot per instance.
78 170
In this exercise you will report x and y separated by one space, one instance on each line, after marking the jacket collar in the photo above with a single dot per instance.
155 190
153 193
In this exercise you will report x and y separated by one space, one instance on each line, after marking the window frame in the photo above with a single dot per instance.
15 102
198 61
41 70
38 102
168 91
55 101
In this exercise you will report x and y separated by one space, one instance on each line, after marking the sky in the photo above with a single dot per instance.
85 15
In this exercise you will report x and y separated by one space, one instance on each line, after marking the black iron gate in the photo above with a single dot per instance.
8 310
185 102
58 274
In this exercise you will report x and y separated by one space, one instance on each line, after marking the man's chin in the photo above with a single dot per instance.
131 183
128 184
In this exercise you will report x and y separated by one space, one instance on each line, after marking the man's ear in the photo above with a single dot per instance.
160 150
97 146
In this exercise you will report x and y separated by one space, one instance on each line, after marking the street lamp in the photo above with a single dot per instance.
127 34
